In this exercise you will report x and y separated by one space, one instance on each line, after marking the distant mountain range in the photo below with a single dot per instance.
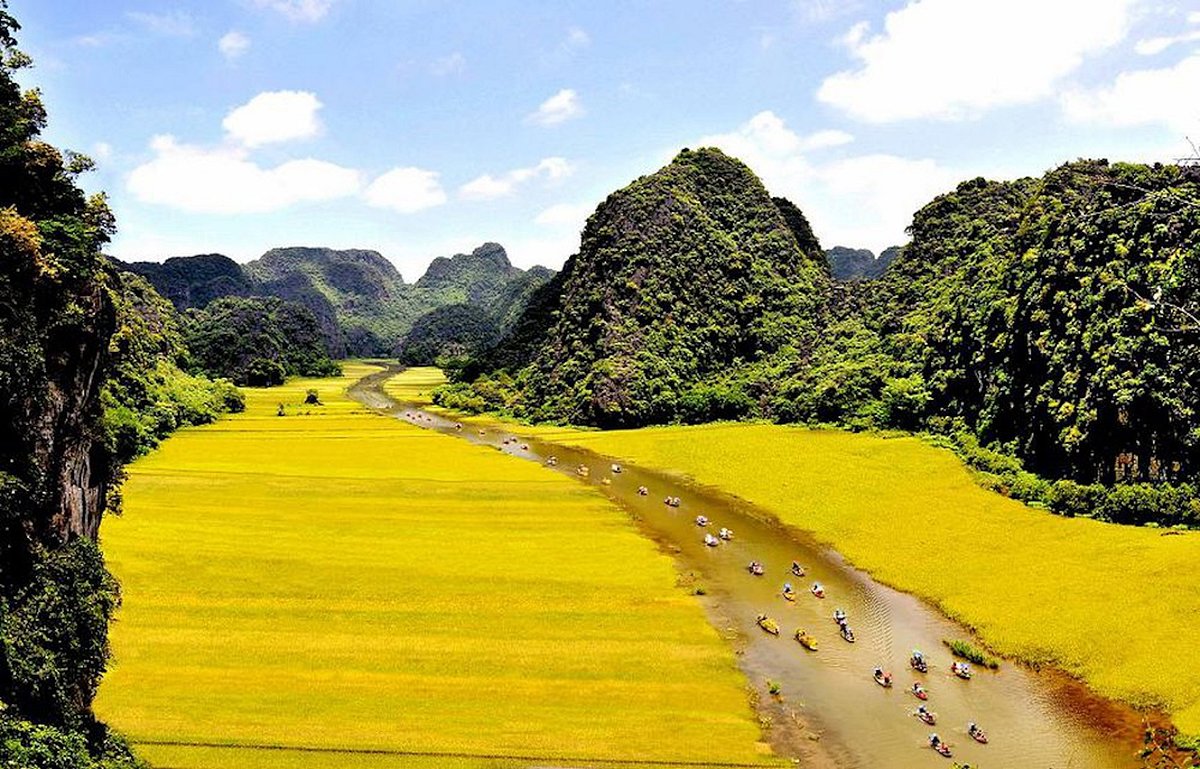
361 302
859 263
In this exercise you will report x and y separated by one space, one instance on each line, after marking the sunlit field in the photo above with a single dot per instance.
334 580
1114 605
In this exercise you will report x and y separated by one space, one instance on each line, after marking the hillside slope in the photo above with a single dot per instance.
680 276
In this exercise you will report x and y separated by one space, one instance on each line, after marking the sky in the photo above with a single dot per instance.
422 128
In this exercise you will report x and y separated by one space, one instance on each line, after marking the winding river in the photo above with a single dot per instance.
830 712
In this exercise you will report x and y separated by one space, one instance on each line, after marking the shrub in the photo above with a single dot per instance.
969 652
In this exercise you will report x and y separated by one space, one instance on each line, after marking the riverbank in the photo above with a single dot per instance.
330 588
1112 605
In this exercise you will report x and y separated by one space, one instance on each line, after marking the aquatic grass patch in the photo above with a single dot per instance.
1113 605
334 579
971 653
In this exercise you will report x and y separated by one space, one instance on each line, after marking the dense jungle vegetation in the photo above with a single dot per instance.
92 374
1046 329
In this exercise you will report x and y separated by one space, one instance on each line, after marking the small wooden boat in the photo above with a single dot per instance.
977 734
919 692
768 625
917 662
583 471
847 634
941 748
755 568
701 520
817 590
552 461
725 534
807 641
926 716
643 491
616 469
797 569
883 679
711 541
789 595
961 669
839 616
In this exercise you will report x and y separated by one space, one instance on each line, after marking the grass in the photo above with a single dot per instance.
971 653
1113 605
337 580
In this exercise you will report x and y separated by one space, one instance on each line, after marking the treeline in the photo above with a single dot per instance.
95 369
58 465
1046 328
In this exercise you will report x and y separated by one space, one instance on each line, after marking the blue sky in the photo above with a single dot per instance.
422 128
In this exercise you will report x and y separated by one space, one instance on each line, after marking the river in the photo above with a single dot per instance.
830 711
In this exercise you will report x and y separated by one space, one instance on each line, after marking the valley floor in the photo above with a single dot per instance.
1113 605
336 588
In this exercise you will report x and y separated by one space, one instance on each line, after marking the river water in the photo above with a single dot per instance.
831 712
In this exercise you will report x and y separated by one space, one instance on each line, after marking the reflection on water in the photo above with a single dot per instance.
1034 720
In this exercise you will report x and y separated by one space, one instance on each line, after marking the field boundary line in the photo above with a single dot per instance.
450 754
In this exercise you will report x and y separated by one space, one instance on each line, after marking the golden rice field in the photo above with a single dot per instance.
1114 605
334 580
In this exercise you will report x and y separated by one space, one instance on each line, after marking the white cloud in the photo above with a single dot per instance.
954 59
1156 45
233 44
101 151
559 108
226 181
1150 96
488 187
299 10
576 40
274 116
454 64
864 202
172 24
406 190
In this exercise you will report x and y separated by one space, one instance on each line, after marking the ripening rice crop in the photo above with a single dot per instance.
1114 605
337 580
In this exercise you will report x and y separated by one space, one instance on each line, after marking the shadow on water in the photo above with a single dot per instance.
830 711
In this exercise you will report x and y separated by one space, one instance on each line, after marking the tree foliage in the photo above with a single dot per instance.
57 316
1048 328
256 341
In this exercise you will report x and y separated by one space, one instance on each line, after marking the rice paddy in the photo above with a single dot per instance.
336 588
1113 605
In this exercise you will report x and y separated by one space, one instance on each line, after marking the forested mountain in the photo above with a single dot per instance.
256 341
681 278
859 263
360 301
1053 322
1058 317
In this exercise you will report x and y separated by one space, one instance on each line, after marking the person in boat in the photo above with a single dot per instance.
797 569
921 709
879 673
787 587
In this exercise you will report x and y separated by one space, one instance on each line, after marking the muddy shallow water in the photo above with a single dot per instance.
831 711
